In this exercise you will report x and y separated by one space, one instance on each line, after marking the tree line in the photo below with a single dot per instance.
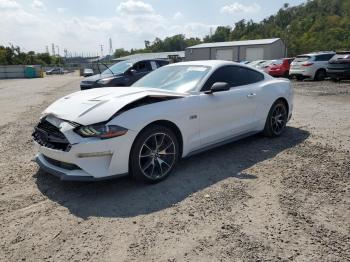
316 25
13 55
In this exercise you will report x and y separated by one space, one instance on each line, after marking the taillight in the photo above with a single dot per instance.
307 64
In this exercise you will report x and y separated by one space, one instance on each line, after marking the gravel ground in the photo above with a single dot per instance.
259 199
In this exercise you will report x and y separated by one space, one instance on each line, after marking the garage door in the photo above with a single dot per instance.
256 53
224 54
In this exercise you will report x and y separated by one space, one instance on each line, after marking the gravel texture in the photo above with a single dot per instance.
259 199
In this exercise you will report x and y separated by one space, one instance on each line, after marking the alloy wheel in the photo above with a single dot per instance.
279 119
157 156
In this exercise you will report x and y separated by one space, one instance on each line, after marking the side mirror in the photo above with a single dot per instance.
218 87
132 72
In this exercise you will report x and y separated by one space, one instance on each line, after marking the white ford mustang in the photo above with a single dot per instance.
176 111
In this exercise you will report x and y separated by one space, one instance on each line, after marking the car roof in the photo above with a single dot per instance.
215 64
210 63
318 53
141 60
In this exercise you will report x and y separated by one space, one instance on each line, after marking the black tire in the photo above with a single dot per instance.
276 120
300 78
286 74
320 75
154 154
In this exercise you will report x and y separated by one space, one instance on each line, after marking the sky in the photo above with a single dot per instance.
82 26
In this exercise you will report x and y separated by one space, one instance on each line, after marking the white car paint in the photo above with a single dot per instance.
203 120
309 67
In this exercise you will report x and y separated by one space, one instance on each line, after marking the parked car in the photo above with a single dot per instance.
174 112
88 72
313 65
256 63
55 71
264 65
339 66
124 73
279 68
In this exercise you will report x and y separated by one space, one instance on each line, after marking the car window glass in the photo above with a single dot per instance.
181 78
341 57
141 67
162 63
234 76
302 58
154 65
323 57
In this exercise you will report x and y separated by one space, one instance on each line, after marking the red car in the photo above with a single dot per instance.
279 67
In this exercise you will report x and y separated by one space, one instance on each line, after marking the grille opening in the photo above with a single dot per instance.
48 135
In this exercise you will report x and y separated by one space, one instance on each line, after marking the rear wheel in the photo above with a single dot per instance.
154 154
320 75
276 120
300 78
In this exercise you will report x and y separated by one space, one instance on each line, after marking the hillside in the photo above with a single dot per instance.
313 26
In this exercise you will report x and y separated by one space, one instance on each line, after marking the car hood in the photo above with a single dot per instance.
94 78
99 105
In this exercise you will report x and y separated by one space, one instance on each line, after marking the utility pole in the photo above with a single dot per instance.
110 46
53 49
101 50
58 50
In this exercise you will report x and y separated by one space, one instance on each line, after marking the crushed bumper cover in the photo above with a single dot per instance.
66 174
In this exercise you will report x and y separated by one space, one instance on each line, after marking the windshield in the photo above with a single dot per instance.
254 63
277 62
302 58
267 63
118 68
180 78
341 56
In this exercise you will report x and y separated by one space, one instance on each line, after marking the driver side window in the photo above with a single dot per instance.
234 76
141 67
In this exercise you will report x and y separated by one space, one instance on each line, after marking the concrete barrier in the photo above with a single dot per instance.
17 71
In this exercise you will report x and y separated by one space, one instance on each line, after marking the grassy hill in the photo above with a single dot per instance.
313 26
317 25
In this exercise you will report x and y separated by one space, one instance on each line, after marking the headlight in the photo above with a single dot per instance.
100 130
105 81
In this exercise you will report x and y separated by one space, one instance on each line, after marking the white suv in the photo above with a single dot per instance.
313 65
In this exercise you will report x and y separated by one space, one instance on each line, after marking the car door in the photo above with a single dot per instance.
140 69
321 61
229 113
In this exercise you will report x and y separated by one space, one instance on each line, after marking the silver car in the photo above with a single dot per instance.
313 65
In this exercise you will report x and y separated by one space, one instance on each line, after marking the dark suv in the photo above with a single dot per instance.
339 66
124 73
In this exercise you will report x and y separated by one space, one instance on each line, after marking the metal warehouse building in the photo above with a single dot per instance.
249 50
162 55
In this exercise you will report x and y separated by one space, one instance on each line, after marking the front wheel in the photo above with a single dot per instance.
320 75
276 120
154 154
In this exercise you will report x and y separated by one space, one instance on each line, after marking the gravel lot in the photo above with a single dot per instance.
255 200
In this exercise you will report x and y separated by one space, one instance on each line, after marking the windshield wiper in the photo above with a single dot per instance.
108 68
98 66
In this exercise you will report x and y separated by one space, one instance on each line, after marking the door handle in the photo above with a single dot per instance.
251 95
